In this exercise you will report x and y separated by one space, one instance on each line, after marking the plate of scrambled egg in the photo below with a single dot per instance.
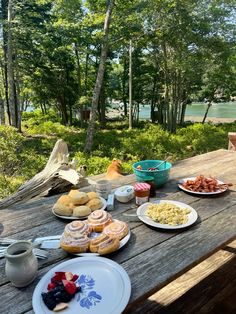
167 214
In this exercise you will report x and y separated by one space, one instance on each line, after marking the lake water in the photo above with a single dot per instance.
219 110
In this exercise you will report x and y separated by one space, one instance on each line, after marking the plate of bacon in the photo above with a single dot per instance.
202 185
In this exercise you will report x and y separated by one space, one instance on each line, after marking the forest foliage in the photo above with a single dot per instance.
62 60
22 156
180 50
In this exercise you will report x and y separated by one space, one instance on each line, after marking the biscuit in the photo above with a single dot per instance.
62 210
94 204
65 200
81 211
92 195
78 198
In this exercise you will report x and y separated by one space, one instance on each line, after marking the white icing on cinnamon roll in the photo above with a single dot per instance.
99 219
77 244
76 228
117 229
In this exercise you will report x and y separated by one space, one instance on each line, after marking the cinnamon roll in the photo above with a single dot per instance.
77 227
99 219
78 244
117 229
108 246
94 243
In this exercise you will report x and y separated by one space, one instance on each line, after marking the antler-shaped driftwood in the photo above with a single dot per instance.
58 175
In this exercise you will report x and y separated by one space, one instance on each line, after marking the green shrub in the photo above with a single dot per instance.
10 144
21 157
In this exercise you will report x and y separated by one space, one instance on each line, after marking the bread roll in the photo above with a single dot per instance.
78 198
116 229
94 243
99 219
94 204
81 211
62 210
92 195
77 227
108 246
64 206
79 244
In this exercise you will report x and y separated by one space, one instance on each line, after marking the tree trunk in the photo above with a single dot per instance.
4 16
130 87
124 94
78 79
208 107
10 71
102 101
86 73
99 80
2 112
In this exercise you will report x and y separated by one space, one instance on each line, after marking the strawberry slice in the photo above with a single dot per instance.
70 286
58 277
61 274
75 277
51 286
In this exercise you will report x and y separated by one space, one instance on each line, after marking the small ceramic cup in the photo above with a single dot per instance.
103 188
21 264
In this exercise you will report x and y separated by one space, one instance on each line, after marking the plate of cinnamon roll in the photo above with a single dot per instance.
78 205
98 235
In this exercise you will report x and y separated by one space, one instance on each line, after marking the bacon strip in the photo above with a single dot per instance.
205 185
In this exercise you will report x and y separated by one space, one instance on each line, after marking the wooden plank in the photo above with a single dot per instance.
189 280
182 252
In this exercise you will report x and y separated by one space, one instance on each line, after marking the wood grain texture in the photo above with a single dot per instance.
152 257
193 279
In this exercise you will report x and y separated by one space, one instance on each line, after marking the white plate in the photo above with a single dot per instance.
200 193
105 285
192 216
95 234
104 205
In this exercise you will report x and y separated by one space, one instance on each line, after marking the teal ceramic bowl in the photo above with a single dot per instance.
160 176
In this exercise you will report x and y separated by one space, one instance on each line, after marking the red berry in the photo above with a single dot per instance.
61 274
58 277
69 286
51 286
75 277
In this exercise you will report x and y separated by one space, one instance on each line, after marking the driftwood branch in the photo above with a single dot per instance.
59 175
232 141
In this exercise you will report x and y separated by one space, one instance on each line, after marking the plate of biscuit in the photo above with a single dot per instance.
98 235
78 205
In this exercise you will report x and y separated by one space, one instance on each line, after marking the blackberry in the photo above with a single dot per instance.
65 296
49 301
78 289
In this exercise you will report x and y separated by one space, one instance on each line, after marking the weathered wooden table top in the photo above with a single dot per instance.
152 257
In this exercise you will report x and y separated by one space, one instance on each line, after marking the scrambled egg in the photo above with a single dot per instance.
166 213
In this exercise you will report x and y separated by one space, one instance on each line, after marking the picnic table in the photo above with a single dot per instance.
152 257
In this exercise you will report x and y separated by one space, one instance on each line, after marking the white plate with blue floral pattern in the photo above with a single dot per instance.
105 287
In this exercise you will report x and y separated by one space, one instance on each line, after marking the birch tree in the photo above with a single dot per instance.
99 80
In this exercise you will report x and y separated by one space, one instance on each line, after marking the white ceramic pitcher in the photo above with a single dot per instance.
21 264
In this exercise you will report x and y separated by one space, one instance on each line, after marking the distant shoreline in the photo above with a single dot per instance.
209 119
114 113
